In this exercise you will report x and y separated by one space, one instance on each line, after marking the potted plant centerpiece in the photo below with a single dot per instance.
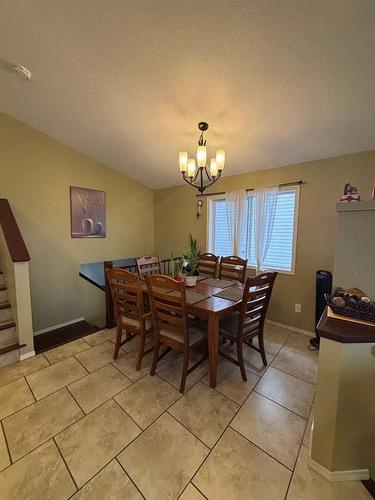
191 257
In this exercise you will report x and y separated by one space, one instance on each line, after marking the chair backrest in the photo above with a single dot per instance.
233 268
126 291
208 264
148 265
168 306
254 305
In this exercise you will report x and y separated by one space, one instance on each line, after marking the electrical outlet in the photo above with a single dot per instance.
297 308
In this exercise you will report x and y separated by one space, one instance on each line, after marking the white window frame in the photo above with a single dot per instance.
210 228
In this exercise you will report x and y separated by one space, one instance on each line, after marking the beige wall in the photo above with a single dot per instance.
174 216
35 174
344 424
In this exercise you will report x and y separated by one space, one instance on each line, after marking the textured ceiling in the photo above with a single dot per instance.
125 82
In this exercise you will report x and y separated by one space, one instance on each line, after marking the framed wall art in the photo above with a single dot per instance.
87 213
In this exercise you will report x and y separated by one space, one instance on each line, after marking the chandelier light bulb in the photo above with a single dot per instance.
220 159
191 167
201 156
183 161
213 168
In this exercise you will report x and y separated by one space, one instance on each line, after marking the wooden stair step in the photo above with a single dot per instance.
2 288
4 325
5 305
11 347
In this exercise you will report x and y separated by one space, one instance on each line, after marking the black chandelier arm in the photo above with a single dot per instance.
208 174
202 186
186 179
196 174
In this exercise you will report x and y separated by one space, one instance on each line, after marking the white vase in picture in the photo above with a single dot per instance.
98 228
190 280
87 226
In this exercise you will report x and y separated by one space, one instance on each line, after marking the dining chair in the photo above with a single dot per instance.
148 265
208 264
233 268
129 307
246 324
171 324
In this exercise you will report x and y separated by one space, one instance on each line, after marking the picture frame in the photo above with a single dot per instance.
87 213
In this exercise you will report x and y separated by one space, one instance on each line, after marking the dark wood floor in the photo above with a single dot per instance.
60 336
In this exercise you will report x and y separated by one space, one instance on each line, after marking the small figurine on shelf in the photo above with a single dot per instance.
350 193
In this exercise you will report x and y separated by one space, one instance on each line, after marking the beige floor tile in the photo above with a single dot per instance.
97 356
100 337
14 397
191 493
66 350
298 342
163 459
127 364
14 372
39 422
205 412
40 475
252 358
133 344
95 440
273 340
299 365
55 377
309 485
230 383
146 400
110 483
237 469
171 371
4 455
91 391
291 392
271 427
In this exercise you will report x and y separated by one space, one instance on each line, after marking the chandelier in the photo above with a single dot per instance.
192 171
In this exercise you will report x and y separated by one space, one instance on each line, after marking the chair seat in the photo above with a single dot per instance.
126 321
229 327
196 333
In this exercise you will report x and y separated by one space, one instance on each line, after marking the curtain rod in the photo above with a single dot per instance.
296 183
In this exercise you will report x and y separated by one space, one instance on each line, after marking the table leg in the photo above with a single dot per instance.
213 344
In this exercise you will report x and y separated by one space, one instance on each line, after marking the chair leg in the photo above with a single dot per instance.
155 358
241 361
261 348
141 349
184 370
118 340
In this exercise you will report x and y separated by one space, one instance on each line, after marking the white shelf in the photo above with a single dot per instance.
355 206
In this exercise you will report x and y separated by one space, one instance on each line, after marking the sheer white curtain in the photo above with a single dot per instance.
235 202
265 199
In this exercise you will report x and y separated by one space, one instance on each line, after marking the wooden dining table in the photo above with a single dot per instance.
212 309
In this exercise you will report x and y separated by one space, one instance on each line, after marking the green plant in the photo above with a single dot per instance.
179 266
192 256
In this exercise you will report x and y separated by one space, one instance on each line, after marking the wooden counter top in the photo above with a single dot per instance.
345 331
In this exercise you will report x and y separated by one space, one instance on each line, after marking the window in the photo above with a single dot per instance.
281 252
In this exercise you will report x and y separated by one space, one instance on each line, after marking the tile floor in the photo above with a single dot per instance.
75 424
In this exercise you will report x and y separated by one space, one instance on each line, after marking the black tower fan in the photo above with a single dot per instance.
323 286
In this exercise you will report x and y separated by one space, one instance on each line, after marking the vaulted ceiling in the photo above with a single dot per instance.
126 82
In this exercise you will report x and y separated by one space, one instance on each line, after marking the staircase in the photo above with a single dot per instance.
9 345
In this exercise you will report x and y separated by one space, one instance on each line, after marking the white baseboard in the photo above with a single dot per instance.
339 475
27 355
60 325
292 328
